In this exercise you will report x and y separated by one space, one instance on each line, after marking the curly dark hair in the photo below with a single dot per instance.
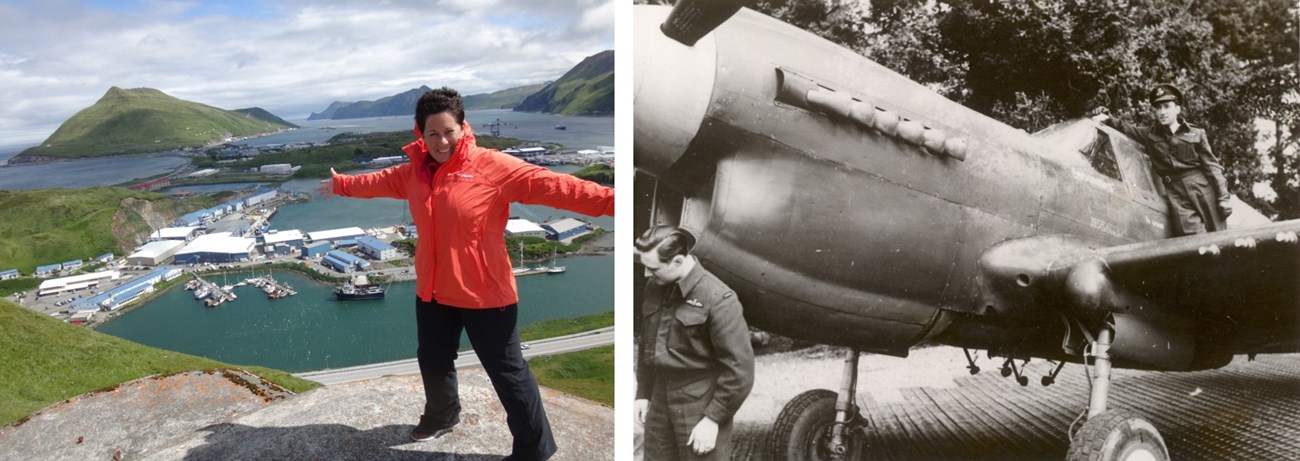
437 101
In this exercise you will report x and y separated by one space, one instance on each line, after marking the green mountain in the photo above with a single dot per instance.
398 104
404 103
587 89
48 361
144 120
265 116
46 226
504 99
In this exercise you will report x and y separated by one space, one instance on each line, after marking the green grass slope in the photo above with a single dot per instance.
504 99
265 116
600 174
587 89
47 361
144 120
47 226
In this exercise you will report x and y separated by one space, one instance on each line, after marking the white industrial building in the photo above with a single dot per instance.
259 198
76 282
334 235
154 253
220 247
524 228
174 233
277 168
203 172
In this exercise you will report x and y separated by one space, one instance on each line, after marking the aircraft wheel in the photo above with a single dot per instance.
802 431
1117 435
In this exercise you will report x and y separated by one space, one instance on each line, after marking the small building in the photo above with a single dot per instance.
346 243
277 168
203 172
334 235
565 230
48 269
316 250
71 265
343 262
81 317
220 247
410 231
183 234
376 249
292 238
524 228
9 274
76 282
193 219
106 257
154 253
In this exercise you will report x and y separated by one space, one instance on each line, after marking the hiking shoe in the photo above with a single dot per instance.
426 430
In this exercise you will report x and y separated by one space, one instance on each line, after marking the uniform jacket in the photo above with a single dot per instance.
460 210
696 326
1177 154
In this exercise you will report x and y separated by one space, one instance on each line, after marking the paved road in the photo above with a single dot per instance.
552 346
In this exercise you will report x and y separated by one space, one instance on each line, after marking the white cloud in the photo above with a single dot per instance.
290 57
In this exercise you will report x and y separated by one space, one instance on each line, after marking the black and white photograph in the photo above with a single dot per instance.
966 230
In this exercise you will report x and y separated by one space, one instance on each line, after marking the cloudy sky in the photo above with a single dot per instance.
291 57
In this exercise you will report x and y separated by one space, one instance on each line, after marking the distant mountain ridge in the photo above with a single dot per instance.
404 103
138 120
587 89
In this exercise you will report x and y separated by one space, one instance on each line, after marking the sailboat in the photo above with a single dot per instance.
523 270
554 269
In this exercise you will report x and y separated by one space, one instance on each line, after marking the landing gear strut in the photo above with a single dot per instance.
1009 367
822 425
1112 434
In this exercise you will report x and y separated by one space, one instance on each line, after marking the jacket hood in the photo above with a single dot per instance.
418 152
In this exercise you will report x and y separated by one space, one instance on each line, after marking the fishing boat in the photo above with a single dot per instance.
561 127
202 292
358 288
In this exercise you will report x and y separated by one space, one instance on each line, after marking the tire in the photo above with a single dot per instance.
803 430
1117 435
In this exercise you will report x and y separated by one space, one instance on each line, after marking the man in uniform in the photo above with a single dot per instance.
695 365
1180 152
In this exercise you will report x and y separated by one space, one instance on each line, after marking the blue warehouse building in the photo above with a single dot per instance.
127 292
343 262
316 250
9 274
565 229
48 270
376 249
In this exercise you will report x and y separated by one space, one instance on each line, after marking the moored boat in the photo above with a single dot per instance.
358 288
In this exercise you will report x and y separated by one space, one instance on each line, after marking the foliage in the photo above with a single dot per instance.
47 361
588 374
599 173
537 248
19 285
1032 63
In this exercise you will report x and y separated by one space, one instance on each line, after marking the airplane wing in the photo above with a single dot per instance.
1175 304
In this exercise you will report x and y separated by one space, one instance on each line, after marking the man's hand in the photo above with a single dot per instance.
639 408
326 189
1225 207
1099 114
704 436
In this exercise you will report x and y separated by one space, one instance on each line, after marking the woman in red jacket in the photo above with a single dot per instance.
459 195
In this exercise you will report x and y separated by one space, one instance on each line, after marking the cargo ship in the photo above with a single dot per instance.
357 289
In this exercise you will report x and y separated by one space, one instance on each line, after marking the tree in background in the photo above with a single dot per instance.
1032 63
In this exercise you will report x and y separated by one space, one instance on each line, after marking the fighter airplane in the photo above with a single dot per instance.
848 205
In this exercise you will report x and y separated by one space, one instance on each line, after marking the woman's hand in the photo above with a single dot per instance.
326 189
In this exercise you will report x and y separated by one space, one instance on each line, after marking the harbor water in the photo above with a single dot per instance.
313 331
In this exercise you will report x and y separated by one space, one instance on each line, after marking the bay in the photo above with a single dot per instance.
312 331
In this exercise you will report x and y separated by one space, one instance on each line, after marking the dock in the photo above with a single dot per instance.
273 289
210 293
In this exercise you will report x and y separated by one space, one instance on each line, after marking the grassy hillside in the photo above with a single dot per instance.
46 226
600 174
587 89
47 361
144 120
265 116
504 99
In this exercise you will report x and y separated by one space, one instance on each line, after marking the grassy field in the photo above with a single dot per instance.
49 226
46 361
588 374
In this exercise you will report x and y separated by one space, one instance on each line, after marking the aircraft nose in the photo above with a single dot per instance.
673 87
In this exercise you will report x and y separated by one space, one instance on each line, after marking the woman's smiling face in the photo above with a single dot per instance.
441 135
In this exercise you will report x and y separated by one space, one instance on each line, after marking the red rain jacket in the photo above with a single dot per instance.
460 210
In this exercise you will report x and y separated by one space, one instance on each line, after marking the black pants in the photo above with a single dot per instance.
495 338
